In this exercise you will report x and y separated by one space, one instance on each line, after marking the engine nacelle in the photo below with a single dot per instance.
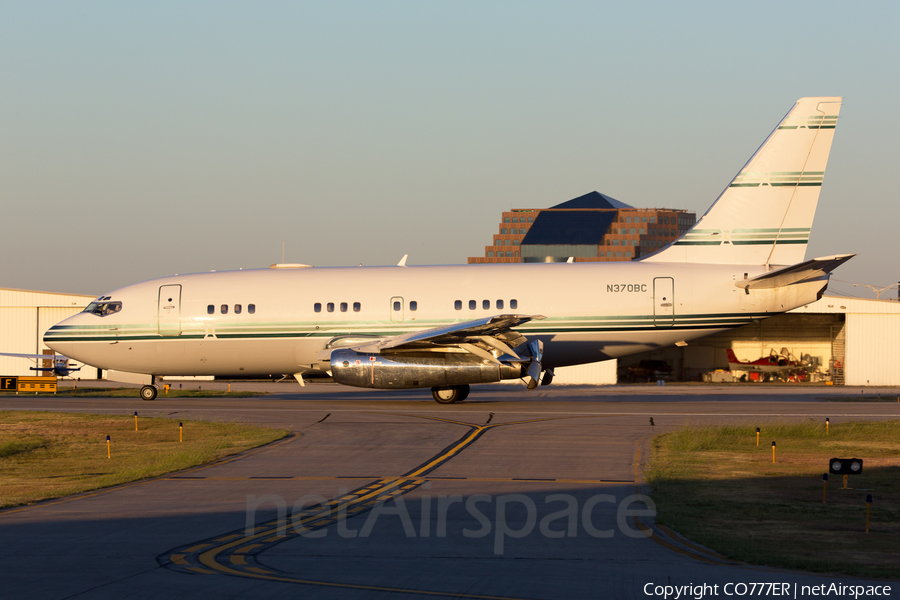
422 370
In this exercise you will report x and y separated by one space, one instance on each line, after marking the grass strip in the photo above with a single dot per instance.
716 487
49 455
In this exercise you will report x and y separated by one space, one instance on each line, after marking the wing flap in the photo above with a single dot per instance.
492 331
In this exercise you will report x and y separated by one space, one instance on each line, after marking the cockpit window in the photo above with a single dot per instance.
102 309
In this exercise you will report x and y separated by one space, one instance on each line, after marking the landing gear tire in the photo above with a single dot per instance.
449 395
148 392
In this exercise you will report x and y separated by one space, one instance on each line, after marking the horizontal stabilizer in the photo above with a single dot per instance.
805 271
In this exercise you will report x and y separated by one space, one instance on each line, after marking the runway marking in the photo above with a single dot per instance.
218 555
418 480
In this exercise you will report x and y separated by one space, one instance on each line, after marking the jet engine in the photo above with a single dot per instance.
416 370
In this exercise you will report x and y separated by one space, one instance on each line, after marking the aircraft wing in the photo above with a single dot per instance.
478 336
36 356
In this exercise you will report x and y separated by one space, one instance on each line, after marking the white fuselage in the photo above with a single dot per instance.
594 311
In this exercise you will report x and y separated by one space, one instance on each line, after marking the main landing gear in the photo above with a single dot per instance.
449 395
148 392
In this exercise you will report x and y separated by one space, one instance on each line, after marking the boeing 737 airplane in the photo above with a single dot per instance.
449 327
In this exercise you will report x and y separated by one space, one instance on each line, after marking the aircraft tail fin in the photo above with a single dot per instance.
732 358
765 215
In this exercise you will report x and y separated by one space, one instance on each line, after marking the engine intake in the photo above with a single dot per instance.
404 371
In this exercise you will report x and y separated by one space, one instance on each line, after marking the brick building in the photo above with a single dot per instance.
590 228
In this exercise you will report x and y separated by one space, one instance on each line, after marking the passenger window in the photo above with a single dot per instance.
486 304
237 309
396 306
330 307
343 307
499 304
224 309
210 310
472 304
251 308
458 305
514 304
357 307
413 305
316 307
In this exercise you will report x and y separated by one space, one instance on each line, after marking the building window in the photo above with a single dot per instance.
514 304
632 230
490 254
516 242
643 231
628 255
472 304
504 231
237 309
486 304
343 307
210 310
499 304
531 219
357 307
615 242
618 254
515 220
251 308
506 219
643 219
224 309
516 254
509 254
458 305
653 219
609 254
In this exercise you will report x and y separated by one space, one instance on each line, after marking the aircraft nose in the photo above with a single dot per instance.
57 338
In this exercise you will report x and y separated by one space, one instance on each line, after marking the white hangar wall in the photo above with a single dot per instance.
24 317
873 349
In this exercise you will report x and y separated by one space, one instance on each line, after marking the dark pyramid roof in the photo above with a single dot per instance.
570 228
593 200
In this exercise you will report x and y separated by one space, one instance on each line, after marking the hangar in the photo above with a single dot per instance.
845 341
24 317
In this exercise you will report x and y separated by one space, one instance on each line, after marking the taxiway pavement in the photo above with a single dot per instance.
387 494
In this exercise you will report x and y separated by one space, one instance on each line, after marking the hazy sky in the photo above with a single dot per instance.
139 140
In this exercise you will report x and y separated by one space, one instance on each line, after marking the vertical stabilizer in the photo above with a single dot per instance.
765 215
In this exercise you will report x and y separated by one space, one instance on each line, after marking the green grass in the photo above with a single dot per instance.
715 486
50 455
